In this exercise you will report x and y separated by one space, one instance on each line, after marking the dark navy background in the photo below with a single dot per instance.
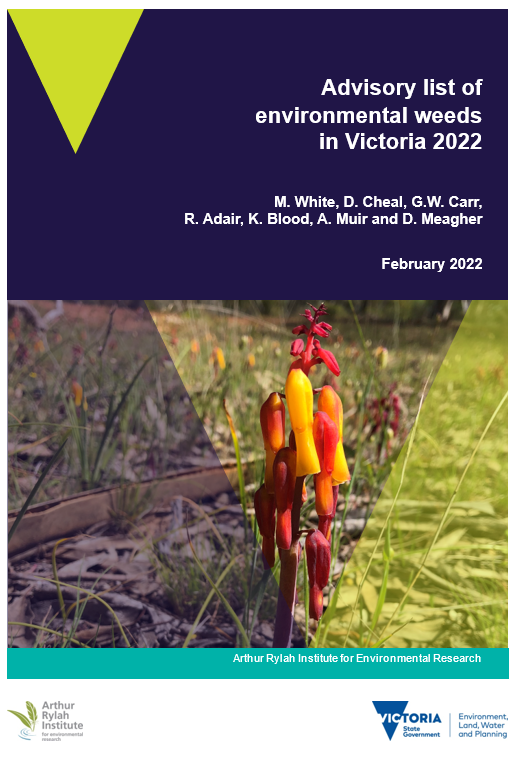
176 132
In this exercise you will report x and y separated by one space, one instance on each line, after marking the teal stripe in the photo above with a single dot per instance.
229 663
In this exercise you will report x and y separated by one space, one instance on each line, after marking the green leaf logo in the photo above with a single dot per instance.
31 710
21 717
29 721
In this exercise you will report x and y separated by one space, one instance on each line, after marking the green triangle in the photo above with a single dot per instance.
75 53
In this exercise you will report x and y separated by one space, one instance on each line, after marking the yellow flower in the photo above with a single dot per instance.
299 397
78 394
330 402
251 359
220 358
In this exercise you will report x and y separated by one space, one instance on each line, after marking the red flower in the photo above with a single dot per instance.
325 522
318 557
285 468
383 409
325 433
293 446
272 417
264 505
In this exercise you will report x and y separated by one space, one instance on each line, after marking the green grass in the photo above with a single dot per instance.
133 423
130 426
447 575
256 357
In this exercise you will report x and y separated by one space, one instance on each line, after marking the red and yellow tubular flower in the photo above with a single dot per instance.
330 402
291 443
264 505
272 417
318 557
325 433
299 397
325 522
285 466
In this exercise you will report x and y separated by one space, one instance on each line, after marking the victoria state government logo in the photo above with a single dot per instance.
414 724
29 720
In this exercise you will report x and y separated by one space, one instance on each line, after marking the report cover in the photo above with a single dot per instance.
257 460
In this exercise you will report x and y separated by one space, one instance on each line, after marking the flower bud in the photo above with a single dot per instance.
297 347
285 466
325 433
272 418
318 558
330 402
299 397
327 357
264 505
381 355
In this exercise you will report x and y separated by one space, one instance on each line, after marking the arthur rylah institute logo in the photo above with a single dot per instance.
29 720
